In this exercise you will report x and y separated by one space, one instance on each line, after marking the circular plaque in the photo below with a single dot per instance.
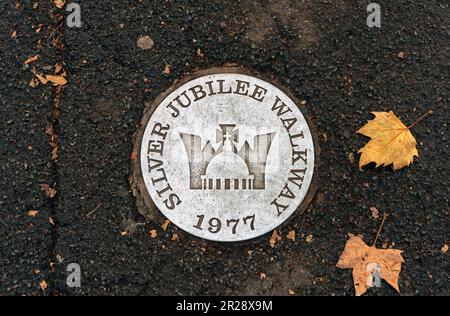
225 156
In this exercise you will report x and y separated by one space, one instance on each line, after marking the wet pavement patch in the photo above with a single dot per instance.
224 155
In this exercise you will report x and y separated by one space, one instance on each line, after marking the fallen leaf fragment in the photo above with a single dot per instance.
309 239
58 68
153 233
51 221
48 191
124 233
262 276
42 79
43 285
291 235
401 55
290 292
375 212
274 238
31 59
57 80
32 213
34 83
59 3
14 34
369 263
166 70
55 153
175 237
391 142
134 156
165 225
351 157
444 248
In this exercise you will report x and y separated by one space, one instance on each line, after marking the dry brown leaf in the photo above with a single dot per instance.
401 55
290 292
57 80
375 212
444 248
59 3
262 276
351 157
14 34
34 83
274 238
51 221
153 233
167 69
55 153
391 142
366 261
48 191
309 239
58 68
165 225
42 79
291 235
124 233
134 156
43 285
31 59
32 213
175 237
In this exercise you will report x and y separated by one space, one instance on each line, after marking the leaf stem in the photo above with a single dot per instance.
420 119
379 229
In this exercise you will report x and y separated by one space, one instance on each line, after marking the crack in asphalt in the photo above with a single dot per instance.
57 35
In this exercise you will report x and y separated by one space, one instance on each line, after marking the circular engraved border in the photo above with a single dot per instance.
144 202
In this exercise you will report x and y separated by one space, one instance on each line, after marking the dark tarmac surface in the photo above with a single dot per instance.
322 51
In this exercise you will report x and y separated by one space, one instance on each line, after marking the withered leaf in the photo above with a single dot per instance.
369 261
59 3
41 78
374 211
31 59
165 225
32 213
34 83
57 80
43 285
48 191
274 238
391 142
167 70
134 156
291 235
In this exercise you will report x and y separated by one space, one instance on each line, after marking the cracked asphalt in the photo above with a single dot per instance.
322 51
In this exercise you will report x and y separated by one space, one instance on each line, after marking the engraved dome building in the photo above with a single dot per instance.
227 171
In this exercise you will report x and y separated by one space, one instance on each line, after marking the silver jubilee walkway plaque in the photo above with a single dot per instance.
225 156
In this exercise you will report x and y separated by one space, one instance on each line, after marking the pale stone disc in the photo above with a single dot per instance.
228 166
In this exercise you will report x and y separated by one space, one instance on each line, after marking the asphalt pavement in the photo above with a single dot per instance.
322 51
